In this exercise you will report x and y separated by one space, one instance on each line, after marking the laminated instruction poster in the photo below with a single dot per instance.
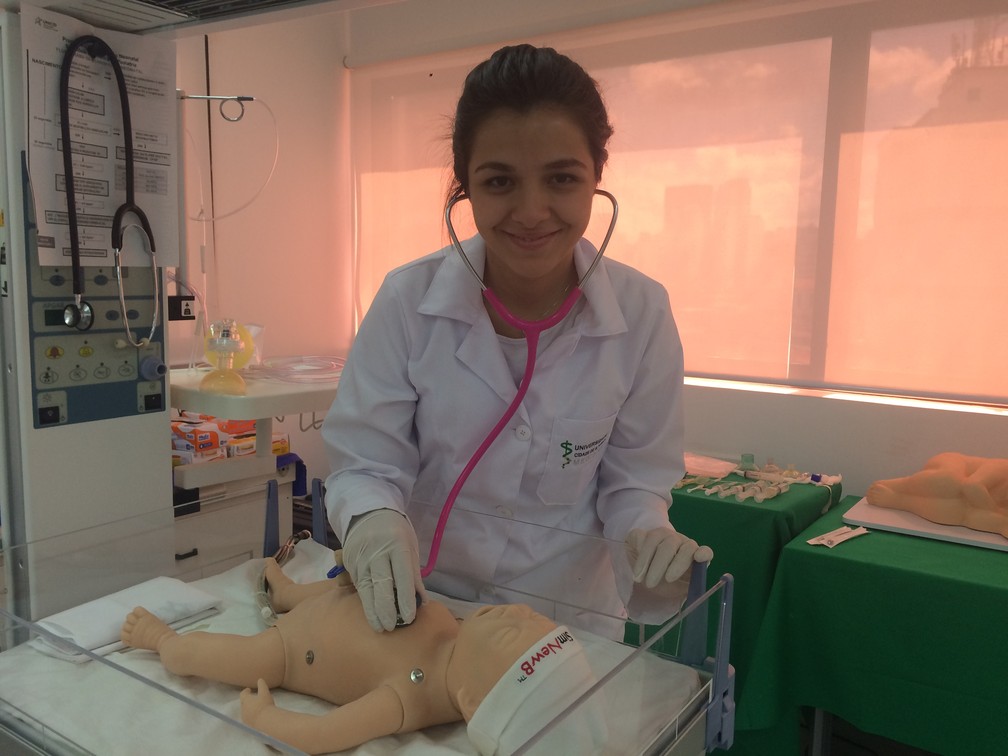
96 134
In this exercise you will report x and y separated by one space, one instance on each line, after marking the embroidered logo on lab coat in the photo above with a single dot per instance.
577 454
575 451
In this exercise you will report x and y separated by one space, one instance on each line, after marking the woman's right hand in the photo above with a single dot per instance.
381 554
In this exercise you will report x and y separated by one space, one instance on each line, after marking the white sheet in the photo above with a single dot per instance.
108 713
95 625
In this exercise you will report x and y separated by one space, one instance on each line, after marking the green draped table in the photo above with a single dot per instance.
901 636
747 538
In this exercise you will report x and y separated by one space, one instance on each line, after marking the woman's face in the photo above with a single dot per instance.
531 185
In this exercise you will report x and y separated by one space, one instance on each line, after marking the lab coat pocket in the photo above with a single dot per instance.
576 448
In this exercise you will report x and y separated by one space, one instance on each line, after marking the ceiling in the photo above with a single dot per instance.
139 16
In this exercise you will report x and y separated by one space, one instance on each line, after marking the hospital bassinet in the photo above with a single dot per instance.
122 701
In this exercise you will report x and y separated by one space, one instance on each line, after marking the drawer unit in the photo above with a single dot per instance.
228 527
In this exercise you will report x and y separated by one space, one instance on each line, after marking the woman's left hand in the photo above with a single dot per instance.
662 555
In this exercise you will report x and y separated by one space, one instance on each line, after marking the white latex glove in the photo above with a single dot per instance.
383 559
662 555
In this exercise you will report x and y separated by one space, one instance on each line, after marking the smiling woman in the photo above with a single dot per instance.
531 185
603 374
529 142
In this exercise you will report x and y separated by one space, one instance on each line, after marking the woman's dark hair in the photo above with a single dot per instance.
520 78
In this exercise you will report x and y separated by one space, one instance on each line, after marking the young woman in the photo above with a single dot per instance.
596 442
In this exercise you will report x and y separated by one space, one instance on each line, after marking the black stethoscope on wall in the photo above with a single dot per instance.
80 314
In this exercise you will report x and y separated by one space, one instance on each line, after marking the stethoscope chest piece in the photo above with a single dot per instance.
79 316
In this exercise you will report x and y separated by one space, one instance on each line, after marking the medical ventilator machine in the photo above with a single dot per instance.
90 223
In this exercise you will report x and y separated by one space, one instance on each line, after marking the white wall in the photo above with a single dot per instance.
863 441
287 256
284 261
286 264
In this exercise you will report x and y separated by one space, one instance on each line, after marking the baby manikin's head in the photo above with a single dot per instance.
514 670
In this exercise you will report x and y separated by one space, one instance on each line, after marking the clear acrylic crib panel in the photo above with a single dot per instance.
640 697
53 706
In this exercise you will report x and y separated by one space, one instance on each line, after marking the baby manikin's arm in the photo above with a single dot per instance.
375 714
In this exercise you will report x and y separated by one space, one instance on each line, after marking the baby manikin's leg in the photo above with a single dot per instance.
285 594
931 497
238 660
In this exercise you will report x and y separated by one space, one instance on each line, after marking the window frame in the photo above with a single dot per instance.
849 25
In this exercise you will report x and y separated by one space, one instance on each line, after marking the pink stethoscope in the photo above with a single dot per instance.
532 329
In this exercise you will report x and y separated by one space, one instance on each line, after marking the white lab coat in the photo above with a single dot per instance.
594 448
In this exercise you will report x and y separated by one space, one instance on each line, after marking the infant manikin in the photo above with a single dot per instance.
951 489
505 669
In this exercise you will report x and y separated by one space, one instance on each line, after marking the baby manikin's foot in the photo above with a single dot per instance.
881 495
145 630
274 575
277 582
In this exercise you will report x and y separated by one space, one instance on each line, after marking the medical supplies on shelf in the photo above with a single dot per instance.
199 438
